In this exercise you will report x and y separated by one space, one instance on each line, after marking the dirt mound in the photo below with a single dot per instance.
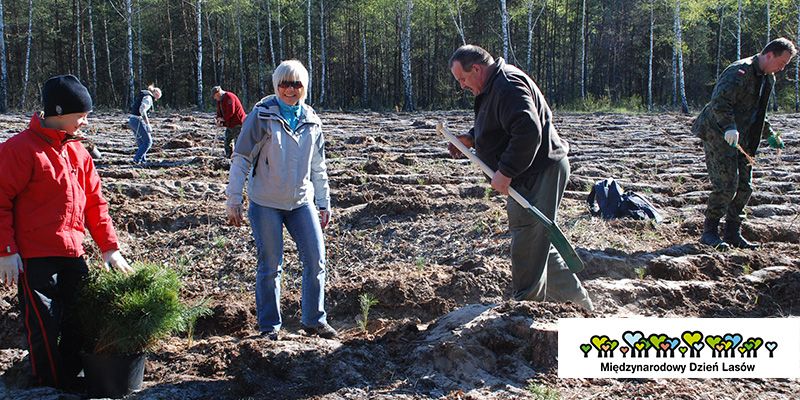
378 167
179 143
230 316
778 291
487 346
427 237
687 268
11 329
307 367
477 347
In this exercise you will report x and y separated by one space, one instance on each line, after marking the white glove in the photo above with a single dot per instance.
10 268
732 137
324 217
235 214
114 259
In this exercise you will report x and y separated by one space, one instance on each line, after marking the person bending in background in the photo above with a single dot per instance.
140 123
230 114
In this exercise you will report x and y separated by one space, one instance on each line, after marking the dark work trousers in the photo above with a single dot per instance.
538 272
48 289
231 134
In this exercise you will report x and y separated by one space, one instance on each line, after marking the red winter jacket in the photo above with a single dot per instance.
49 190
229 108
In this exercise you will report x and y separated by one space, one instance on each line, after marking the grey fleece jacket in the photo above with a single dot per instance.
285 168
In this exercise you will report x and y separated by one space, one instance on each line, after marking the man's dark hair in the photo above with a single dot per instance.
778 46
468 55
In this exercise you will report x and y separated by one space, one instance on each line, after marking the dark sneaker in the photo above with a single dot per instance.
324 331
271 335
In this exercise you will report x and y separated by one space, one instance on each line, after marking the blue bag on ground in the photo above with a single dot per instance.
605 198
609 201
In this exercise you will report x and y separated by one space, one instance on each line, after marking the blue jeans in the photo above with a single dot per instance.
144 138
303 225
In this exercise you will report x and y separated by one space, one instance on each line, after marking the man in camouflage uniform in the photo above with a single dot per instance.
736 115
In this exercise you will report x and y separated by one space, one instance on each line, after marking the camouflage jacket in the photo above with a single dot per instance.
735 104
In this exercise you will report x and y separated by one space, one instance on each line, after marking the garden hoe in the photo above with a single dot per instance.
555 235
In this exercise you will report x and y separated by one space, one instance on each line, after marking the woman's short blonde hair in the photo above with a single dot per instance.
291 70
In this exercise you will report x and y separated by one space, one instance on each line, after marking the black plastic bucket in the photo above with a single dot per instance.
113 375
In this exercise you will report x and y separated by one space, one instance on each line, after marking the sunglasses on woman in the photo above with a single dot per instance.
292 84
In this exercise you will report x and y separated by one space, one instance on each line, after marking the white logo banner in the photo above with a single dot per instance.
679 347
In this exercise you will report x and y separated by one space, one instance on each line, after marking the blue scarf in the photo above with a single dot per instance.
290 113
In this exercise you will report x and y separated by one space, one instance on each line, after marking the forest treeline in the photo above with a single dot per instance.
387 54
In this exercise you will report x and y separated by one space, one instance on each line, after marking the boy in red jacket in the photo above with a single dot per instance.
50 191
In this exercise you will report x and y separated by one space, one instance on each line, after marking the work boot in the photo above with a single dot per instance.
322 330
733 235
270 335
711 235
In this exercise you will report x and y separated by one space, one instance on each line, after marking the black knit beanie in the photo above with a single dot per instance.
65 94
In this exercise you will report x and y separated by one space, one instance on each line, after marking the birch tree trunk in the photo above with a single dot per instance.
797 65
3 67
108 60
78 39
674 66
222 51
93 48
773 96
682 84
242 77
649 63
129 23
769 28
280 35
364 87
139 42
583 47
504 23
719 36
532 25
28 55
199 23
456 16
310 64
405 56
259 53
739 31
3 70
213 49
269 27
171 43
322 48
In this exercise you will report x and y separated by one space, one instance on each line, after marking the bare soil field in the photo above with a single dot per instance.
424 236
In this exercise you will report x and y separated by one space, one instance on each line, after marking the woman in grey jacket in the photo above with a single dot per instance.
281 153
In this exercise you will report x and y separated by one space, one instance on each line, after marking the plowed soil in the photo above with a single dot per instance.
425 236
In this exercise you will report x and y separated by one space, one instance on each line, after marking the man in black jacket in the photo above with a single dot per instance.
515 136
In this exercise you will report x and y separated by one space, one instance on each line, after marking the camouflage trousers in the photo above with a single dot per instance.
730 177
230 139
